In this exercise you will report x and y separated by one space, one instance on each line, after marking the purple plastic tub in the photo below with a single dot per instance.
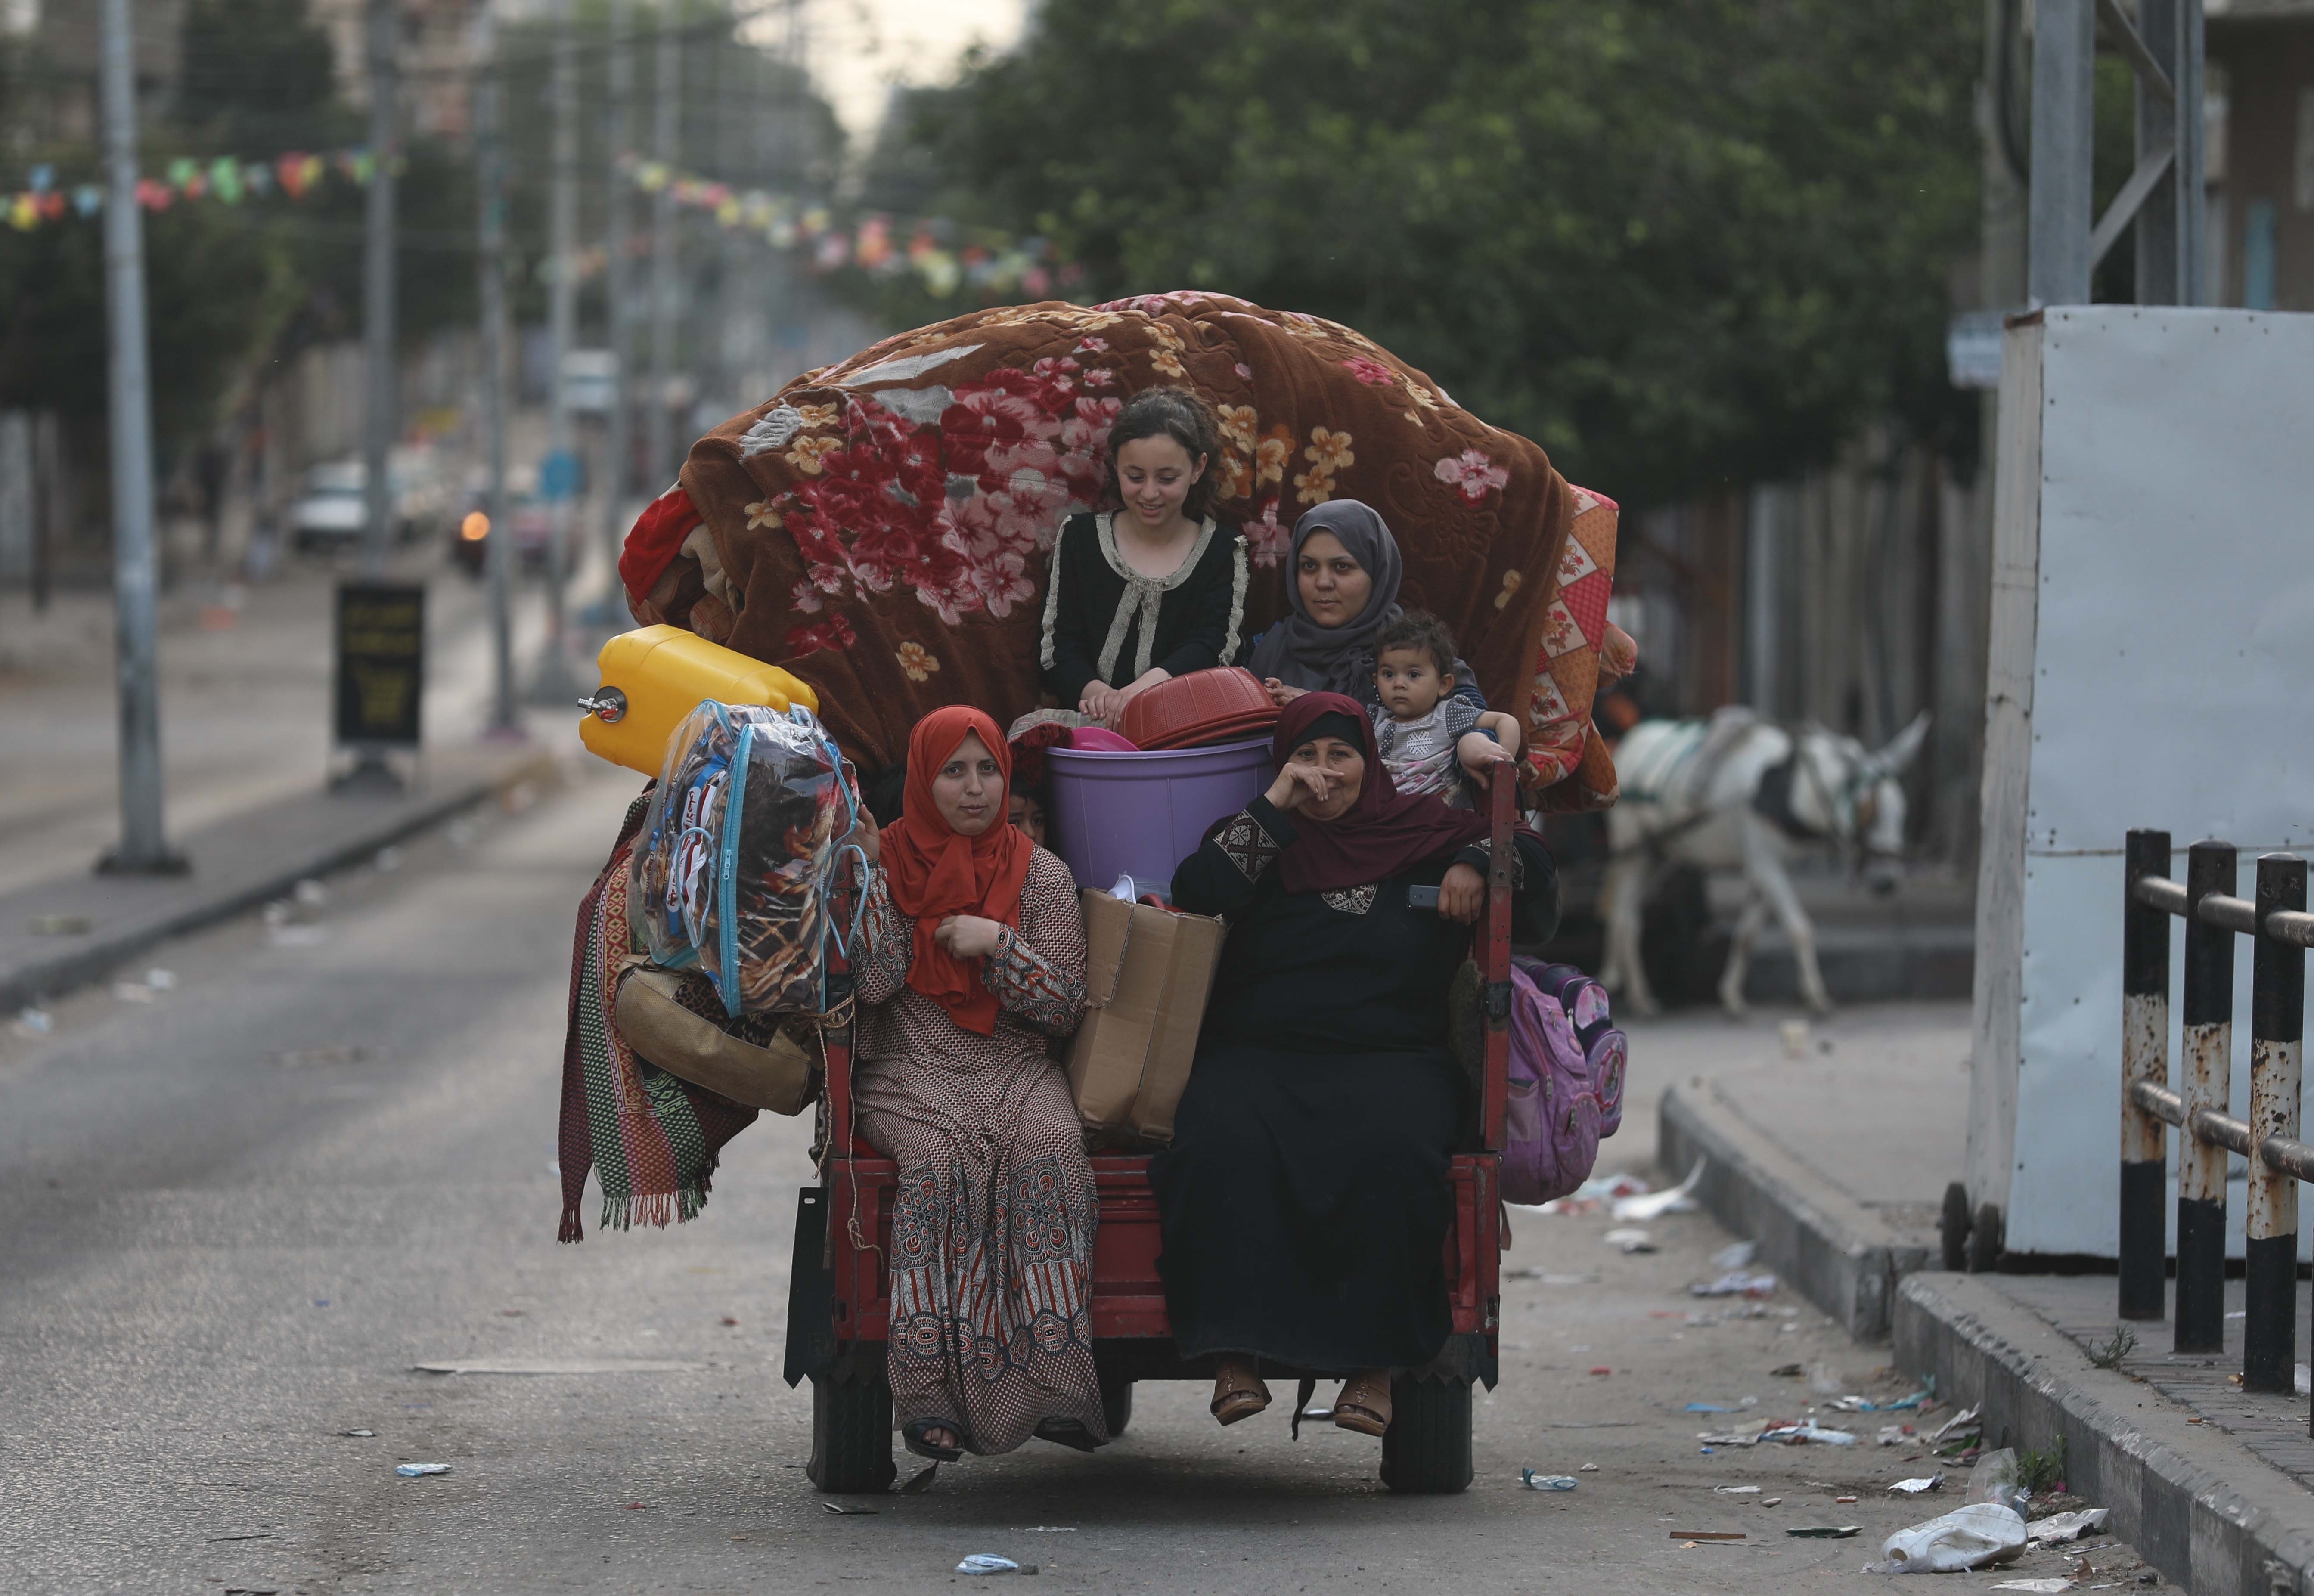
1141 814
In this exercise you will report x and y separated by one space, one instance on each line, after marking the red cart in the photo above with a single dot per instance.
839 1305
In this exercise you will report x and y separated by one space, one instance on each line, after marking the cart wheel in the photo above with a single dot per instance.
1952 1227
851 1431
1427 1450
1116 1405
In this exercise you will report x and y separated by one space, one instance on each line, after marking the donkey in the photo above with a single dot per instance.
1740 793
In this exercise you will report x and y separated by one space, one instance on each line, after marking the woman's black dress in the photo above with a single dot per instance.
1104 622
1304 1196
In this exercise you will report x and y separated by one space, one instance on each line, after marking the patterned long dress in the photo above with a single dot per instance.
992 1225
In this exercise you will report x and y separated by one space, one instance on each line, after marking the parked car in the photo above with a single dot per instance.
333 512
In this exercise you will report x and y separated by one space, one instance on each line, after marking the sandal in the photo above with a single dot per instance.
912 1436
1237 1391
1363 1403
1069 1432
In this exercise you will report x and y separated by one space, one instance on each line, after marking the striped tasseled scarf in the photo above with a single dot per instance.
651 1139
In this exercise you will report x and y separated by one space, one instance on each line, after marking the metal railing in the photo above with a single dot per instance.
2282 930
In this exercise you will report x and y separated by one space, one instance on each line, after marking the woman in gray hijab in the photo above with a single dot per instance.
1343 579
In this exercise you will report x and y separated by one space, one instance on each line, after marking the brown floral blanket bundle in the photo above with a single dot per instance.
881 527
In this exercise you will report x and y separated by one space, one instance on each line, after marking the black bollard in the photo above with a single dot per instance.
2207 1055
2277 1024
2144 1056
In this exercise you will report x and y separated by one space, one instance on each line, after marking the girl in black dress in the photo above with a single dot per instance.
1304 1196
1155 589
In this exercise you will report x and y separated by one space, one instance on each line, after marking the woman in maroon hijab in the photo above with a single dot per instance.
1304 1194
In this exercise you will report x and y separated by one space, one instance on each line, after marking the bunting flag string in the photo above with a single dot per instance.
227 179
944 256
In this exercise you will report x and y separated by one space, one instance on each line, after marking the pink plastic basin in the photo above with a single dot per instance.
1141 814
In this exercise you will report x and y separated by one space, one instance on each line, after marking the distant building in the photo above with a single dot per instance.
2262 215
50 95
435 49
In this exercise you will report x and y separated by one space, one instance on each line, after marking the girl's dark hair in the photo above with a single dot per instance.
1186 419
1422 633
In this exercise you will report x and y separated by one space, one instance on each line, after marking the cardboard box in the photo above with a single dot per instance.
1147 973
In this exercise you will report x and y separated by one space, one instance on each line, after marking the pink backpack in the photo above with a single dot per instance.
1566 1080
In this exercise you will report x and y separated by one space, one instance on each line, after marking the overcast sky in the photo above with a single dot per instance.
861 47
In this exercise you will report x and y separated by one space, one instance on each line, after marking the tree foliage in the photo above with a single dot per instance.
1676 242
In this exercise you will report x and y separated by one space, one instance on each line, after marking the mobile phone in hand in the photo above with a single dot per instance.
1422 897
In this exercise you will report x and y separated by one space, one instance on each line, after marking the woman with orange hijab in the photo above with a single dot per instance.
973 958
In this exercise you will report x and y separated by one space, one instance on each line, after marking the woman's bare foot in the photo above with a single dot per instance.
929 1438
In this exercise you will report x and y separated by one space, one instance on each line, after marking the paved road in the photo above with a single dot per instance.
236 1214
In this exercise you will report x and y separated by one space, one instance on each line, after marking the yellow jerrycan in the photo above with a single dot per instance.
654 676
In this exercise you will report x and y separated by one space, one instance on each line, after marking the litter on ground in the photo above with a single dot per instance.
1914 1487
1679 1199
2059 1527
1826 1532
1979 1536
990 1563
419 1470
1546 1482
1735 1283
1961 1420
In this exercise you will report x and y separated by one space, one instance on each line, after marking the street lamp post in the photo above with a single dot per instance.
667 113
377 297
143 845
552 683
490 161
618 441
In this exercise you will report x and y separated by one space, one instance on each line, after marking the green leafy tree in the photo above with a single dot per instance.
258 77
1677 242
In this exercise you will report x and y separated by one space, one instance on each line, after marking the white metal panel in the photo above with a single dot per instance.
2173 686
2176 645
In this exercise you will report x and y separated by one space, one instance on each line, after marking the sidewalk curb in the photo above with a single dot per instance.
1842 1256
2197 1504
91 959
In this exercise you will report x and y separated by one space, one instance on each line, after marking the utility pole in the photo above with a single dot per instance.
490 165
144 847
2164 197
618 437
2064 61
380 424
552 682
666 110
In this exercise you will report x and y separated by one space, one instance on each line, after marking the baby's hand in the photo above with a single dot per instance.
1480 752
1280 694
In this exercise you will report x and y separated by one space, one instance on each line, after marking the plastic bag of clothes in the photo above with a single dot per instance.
746 842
